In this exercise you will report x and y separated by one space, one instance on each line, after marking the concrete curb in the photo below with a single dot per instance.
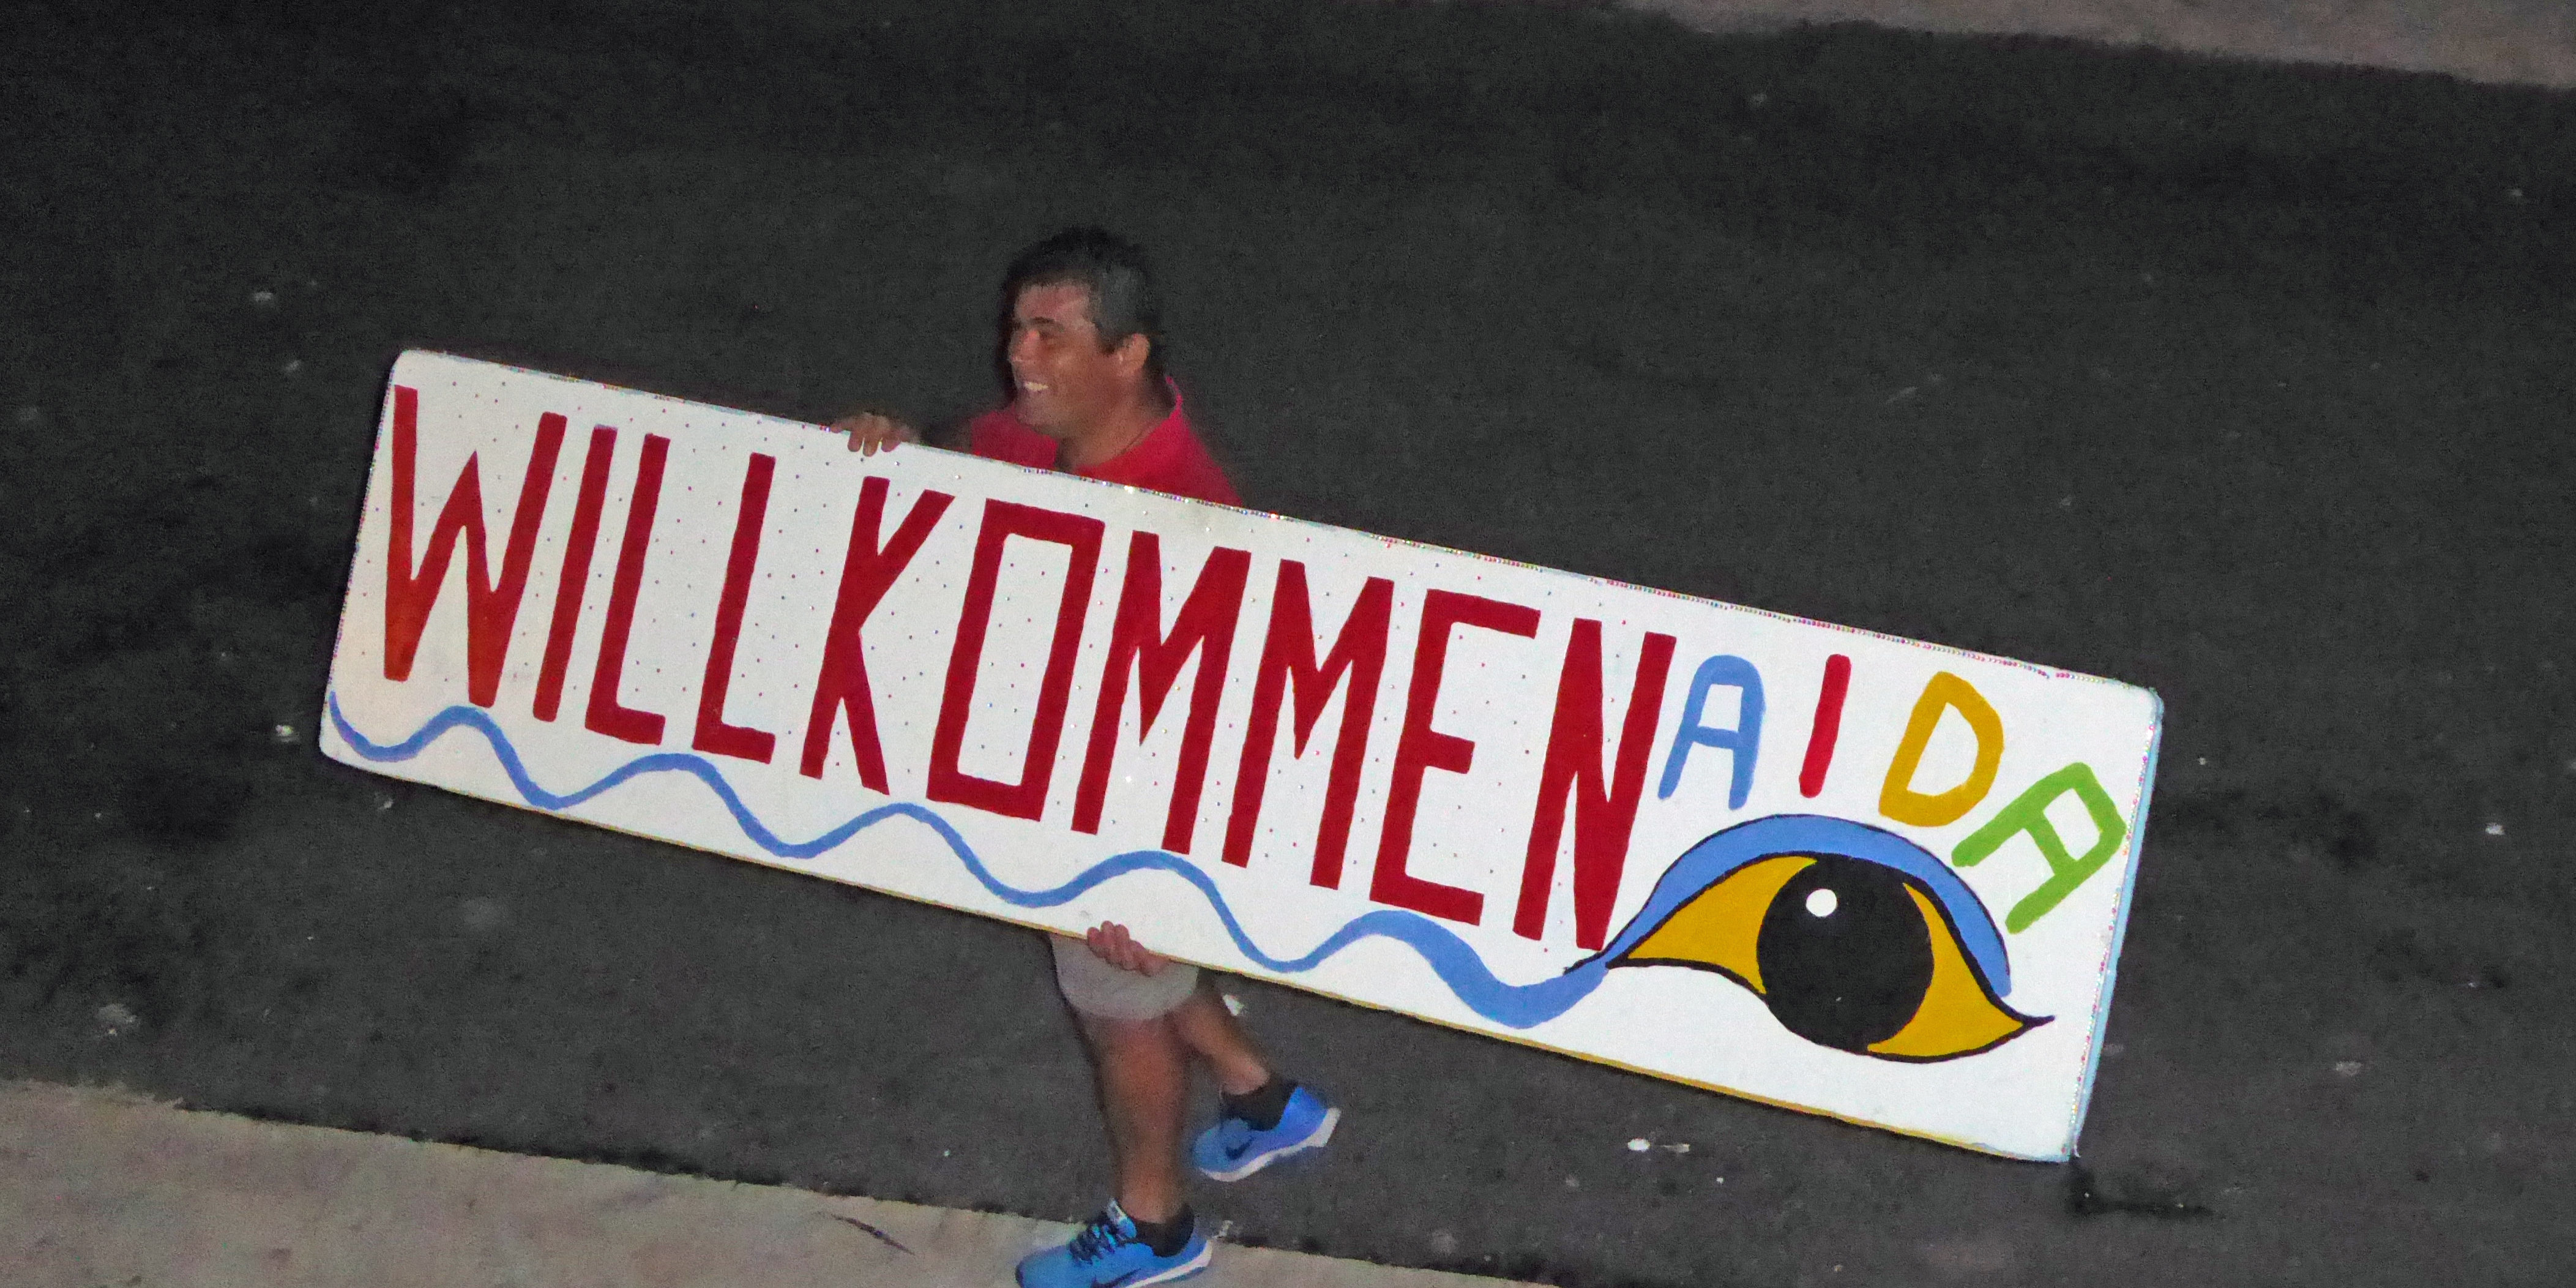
2526 42
99 1188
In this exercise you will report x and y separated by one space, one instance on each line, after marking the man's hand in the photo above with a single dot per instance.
1111 943
872 432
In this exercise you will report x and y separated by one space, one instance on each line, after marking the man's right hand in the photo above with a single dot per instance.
872 432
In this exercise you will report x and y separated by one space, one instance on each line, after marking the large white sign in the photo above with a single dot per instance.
1814 866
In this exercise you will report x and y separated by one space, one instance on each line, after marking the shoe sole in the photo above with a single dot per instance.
1323 1134
1207 1253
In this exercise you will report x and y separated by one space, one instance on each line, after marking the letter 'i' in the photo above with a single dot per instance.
1828 726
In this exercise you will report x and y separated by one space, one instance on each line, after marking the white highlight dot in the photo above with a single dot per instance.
1821 903
1640 1145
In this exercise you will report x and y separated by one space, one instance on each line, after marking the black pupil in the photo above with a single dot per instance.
1855 975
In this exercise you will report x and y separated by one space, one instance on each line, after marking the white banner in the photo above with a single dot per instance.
1813 866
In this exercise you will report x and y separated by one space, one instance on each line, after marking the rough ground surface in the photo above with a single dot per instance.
2506 41
2249 385
99 1189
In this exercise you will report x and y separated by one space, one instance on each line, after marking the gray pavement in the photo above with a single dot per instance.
108 1188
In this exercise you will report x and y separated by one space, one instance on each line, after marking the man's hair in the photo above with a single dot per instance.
1112 271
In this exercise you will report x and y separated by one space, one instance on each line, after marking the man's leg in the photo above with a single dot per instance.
1266 1117
1144 1075
1209 1030
1142 1069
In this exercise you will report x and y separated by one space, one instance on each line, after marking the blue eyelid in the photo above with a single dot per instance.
1705 864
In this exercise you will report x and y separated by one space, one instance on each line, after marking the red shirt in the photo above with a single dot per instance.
1169 458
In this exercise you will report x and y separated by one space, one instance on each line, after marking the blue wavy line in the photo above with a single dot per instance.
1451 958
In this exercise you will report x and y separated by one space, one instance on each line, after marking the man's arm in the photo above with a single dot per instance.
872 432
1111 943
875 431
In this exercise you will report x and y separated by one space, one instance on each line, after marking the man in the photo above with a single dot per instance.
1082 356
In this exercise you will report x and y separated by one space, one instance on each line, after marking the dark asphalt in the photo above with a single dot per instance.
2252 385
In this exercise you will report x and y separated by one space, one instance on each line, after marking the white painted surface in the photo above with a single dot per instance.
1269 916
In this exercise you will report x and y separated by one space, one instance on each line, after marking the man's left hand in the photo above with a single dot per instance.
1111 943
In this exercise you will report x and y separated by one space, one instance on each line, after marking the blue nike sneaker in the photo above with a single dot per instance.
1107 1254
1234 1148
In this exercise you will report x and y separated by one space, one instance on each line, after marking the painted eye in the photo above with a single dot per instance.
1850 951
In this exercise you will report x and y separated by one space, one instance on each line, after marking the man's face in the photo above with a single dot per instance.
1064 384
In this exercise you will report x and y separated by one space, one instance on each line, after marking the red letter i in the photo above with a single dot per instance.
1829 723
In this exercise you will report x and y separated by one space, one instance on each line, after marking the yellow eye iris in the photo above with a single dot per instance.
1847 953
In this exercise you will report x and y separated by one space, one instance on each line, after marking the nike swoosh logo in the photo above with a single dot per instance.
1113 1283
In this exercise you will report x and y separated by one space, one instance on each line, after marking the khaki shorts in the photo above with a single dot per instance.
1094 987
